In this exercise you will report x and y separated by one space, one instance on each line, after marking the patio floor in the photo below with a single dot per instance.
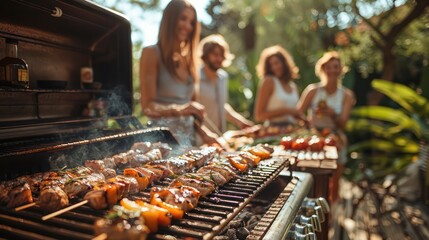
375 211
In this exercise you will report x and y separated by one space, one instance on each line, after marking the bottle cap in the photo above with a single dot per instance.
86 75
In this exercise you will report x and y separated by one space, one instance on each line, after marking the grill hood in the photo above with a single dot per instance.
57 39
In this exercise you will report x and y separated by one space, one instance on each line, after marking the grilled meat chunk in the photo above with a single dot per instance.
198 181
160 171
95 165
175 165
184 197
164 148
19 196
108 173
53 198
97 199
77 187
215 176
131 185
154 154
221 167
139 160
143 147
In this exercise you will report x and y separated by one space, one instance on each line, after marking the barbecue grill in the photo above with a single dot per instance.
58 122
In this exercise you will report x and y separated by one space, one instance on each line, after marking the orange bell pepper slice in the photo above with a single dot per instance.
164 217
252 158
112 192
142 179
176 212
149 215
238 162
260 152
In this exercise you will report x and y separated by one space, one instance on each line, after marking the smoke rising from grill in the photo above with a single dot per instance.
182 129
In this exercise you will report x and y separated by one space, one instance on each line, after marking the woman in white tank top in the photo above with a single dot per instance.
327 103
277 95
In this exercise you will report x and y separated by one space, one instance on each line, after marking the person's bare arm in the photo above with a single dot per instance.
149 68
306 98
263 95
349 102
207 135
236 118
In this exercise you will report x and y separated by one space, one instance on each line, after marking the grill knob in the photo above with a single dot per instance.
319 212
302 228
324 204
316 223
299 236
299 228
310 228
302 219
313 220
311 236
310 203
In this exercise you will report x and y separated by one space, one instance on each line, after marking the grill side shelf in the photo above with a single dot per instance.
278 219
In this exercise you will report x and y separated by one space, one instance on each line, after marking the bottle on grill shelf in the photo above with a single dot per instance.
13 70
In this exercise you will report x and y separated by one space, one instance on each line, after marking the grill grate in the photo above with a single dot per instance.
211 215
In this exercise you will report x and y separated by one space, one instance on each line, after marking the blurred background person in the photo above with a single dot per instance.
215 54
277 94
329 104
168 75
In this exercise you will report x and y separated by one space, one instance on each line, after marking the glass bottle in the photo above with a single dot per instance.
13 70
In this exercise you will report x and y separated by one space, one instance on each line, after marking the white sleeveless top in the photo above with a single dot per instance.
334 101
280 98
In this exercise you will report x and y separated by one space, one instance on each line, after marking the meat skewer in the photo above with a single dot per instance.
184 191
54 214
70 183
25 206
108 195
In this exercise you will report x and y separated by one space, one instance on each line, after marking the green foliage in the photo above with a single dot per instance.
383 146
412 102
400 120
385 139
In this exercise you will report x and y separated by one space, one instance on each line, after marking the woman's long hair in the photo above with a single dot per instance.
263 68
167 37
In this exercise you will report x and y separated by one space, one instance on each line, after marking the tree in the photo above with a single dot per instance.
384 27
125 6
373 35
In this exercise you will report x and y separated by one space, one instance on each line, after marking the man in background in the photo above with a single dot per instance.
215 55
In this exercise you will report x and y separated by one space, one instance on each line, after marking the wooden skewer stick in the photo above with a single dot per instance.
54 214
25 206
102 236
212 125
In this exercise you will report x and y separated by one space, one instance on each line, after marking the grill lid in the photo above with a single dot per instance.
57 39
